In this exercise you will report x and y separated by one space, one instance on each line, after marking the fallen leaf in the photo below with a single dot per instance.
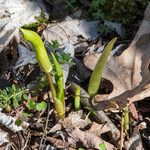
14 14
57 142
25 57
70 30
75 120
89 140
98 129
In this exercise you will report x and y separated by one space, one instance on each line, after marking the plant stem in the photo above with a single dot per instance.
77 98
126 118
59 106
50 81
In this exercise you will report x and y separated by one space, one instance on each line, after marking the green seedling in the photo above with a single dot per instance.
60 87
41 19
126 118
96 76
102 146
41 106
54 45
12 95
46 67
77 98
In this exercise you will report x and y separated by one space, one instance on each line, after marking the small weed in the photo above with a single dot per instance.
12 96
71 5
41 19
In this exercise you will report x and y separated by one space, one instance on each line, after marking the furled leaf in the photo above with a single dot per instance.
97 73
59 79
41 53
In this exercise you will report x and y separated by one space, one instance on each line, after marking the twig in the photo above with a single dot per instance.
121 133
27 139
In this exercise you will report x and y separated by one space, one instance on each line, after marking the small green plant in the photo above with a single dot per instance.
104 29
12 96
64 58
95 9
126 11
70 5
96 76
126 118
54 45
41 19
102 146
77 98
32 105
46 67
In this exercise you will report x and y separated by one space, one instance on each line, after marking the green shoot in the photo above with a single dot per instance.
97 73
102 146
60 84
126 118
46 67
77 99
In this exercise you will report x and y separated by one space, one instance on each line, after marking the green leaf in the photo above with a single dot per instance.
31 104
25 96
18 122
96 76
59 80
41 106
102 146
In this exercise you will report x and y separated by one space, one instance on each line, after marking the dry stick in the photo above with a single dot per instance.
121 133
27 140
100 115
46 124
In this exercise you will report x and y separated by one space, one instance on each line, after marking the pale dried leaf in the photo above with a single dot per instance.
3 137
25 57
69 30
75 119
14 14
89 140
98 129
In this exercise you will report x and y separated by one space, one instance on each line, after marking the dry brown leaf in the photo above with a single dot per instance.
75 119
129 72
89 140
98 129
57 142
69 31
133 111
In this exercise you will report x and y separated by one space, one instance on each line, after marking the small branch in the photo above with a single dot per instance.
121 133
